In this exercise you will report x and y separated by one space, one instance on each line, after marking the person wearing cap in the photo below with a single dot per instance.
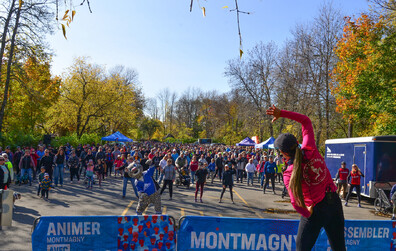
310 185
9 153
45 185
342 180
175 155
5 177
9 165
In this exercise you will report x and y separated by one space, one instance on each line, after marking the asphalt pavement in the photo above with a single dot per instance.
74 199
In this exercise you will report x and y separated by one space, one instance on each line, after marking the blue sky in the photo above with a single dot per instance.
172 48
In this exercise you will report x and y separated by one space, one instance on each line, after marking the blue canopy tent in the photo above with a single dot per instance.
246 142
117 136
268 144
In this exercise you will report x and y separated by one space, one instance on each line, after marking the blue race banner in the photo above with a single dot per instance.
222 233
211 233
148 232
364 235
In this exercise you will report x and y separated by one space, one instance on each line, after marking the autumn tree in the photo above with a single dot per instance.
25 25
33 90
149 126
364 80
90 99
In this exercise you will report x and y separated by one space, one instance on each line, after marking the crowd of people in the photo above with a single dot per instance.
201 163
93 163
300 168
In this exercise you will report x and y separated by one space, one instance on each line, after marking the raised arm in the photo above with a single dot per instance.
307 129
151 170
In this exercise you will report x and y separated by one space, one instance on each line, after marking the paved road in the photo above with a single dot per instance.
74 199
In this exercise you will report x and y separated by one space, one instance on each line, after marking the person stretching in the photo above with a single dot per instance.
310 185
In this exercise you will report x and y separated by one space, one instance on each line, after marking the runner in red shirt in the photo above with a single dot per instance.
354 176
342 180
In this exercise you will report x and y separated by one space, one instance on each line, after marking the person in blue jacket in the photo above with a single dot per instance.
270 173
212 169
147 188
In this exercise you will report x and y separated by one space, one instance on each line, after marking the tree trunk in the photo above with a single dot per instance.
350 129
4 38
327 101
79 122
10 57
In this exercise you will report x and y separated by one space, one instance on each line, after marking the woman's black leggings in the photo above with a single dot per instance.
268 177
170 183
109 166
357 192
327 214
224 188
74 172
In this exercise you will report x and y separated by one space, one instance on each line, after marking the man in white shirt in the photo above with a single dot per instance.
250 168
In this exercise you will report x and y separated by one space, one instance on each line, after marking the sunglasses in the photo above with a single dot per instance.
2 159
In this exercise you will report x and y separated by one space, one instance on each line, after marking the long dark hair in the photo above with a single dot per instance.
296 177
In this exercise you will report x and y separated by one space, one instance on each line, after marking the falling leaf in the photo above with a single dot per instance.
64 30
73 13
225 7
240 53
65 16
204 11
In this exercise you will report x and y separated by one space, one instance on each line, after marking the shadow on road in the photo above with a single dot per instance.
25 215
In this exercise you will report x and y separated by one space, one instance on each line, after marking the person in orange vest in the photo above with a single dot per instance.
354 177
342 180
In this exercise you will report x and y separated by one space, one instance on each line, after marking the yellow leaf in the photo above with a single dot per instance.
20 3
64 30
204 11
73 13
240 53
65 16
225 7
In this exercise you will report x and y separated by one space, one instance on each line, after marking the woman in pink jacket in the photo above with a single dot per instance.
310 186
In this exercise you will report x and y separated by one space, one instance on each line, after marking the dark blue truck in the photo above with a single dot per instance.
375 156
